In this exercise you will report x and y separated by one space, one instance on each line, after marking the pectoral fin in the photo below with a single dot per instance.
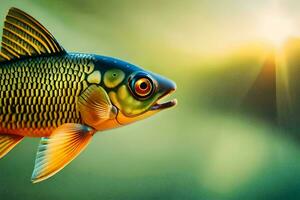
8 142
95 106
55 152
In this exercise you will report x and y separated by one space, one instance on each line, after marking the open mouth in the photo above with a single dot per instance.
164 105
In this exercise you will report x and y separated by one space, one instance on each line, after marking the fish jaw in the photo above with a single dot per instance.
165 105
155 108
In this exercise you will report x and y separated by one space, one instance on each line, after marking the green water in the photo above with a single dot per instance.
204 149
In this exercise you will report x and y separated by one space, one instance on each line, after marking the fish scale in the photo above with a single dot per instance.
42 92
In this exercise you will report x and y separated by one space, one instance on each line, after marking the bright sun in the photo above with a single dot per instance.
276 27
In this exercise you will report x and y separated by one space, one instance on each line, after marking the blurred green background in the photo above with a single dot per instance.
209 147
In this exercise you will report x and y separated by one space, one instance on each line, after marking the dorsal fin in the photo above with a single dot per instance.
23 36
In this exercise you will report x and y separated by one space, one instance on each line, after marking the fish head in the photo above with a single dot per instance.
135 93
140 96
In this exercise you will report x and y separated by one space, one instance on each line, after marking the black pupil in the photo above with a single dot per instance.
143 85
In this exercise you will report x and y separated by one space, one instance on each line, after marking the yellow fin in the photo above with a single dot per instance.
8 142
23 36
55 152
95 106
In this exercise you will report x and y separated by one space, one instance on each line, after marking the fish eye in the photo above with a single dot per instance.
141 86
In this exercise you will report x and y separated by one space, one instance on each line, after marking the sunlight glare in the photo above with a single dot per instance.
276 27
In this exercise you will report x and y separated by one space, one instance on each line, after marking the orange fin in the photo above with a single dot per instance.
95 106
55 152
8 142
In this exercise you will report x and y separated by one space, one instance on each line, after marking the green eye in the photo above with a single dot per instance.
113 78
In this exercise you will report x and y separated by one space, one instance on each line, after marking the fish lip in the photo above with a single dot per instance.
164 105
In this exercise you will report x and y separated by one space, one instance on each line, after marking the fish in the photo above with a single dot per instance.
65 98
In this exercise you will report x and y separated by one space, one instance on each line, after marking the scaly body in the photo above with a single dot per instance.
40 94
